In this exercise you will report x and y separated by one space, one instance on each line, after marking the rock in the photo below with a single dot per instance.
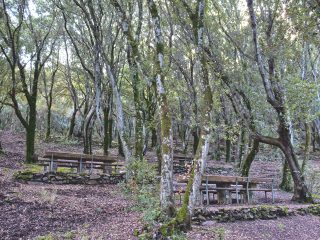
208 223
92 182
94 177
201 218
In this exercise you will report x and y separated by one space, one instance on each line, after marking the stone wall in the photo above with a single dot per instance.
68 178
252 213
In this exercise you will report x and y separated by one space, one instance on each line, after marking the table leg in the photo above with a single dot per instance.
222 194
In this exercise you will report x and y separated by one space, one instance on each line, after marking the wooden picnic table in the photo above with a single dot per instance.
79 160
225 185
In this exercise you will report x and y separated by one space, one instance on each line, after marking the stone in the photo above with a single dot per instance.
201 218
92 182
94 177
208 223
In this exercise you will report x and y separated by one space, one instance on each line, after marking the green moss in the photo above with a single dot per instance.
69 235
45 237
34 168
314 209
285 210
254 210
25 175
64 170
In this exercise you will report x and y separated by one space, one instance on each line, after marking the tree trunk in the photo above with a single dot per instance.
48 127
196 139
72 123
87 131
306 147
248 161
241 147
166 183
120 146
301 192
110 130
106 129
31 135
206 106
286 178
228 148
153 137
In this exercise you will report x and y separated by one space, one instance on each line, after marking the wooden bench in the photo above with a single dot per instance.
53 160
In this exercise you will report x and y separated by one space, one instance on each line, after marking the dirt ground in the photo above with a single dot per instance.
66 211
102 212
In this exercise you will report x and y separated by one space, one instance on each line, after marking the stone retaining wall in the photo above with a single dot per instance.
252 213
68 178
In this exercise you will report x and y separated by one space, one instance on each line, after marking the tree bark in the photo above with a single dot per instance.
306 147
249 159
133 58
286 178
166 184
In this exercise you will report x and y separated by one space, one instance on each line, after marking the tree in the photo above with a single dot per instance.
23 38
276 98
166 191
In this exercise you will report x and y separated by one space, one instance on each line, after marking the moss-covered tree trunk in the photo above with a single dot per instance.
120 120
286 178
72 122
166 184
241 146
133 57
306 147
206 105
31 135
107 120
106 130
249 159
228 147
48 125
87 130
196 138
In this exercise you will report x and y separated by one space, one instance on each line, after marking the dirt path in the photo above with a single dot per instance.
65 211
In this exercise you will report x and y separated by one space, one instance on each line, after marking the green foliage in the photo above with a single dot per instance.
49 236
69 235
302 98
143 172
220 233
145 191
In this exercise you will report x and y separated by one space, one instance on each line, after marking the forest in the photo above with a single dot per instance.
159 119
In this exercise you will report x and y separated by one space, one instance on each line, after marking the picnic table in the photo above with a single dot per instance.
53 160
225 186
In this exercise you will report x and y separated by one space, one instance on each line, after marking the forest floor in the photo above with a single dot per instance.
28 211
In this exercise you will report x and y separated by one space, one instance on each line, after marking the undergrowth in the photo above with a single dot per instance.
144 189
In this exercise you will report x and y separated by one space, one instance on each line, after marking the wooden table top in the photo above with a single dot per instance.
217 179
78 156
